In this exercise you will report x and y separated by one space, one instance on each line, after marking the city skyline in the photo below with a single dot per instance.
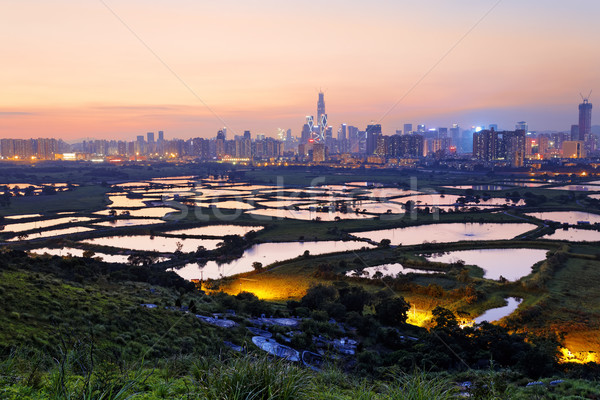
260 66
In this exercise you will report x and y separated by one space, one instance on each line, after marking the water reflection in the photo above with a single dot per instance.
217 230
22 216
574 235
494 314
230 204
56 232
265 253
577 188
27 226
65 251
479 187
566 217
449 232
304 214
512 264
117 223
151 212
156 243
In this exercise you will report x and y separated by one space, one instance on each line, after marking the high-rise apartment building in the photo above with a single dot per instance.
373 132
485 145
510 146
455 135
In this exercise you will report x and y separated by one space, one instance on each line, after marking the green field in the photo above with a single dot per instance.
83 199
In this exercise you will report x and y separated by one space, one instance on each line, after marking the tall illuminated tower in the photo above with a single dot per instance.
585 119
320 106
319 135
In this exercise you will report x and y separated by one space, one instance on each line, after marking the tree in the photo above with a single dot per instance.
143 259
201 251
178 247
385 243
29 191
192 306
444 318
392 312
88 254
257 266
354 298
48 190
318 295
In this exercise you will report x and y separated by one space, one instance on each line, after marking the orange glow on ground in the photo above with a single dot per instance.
267 288
418 317
579 357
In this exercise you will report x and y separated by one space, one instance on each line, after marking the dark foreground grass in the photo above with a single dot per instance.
255 377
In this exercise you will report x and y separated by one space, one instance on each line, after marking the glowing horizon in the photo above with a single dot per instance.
72 70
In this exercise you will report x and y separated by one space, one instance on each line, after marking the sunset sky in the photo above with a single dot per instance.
72 69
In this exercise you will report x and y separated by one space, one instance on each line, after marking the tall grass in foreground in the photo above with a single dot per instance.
256 379
418 386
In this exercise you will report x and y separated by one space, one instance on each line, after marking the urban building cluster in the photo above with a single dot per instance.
31 149
317 144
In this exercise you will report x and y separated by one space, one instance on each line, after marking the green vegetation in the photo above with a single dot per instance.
76 328
83 199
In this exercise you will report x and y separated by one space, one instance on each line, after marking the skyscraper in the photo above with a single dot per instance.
408 129
342 132
574 132
455 135
220 144
320 106
321 119
305 134
485 145
522 126
373 133
585 119
150 136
